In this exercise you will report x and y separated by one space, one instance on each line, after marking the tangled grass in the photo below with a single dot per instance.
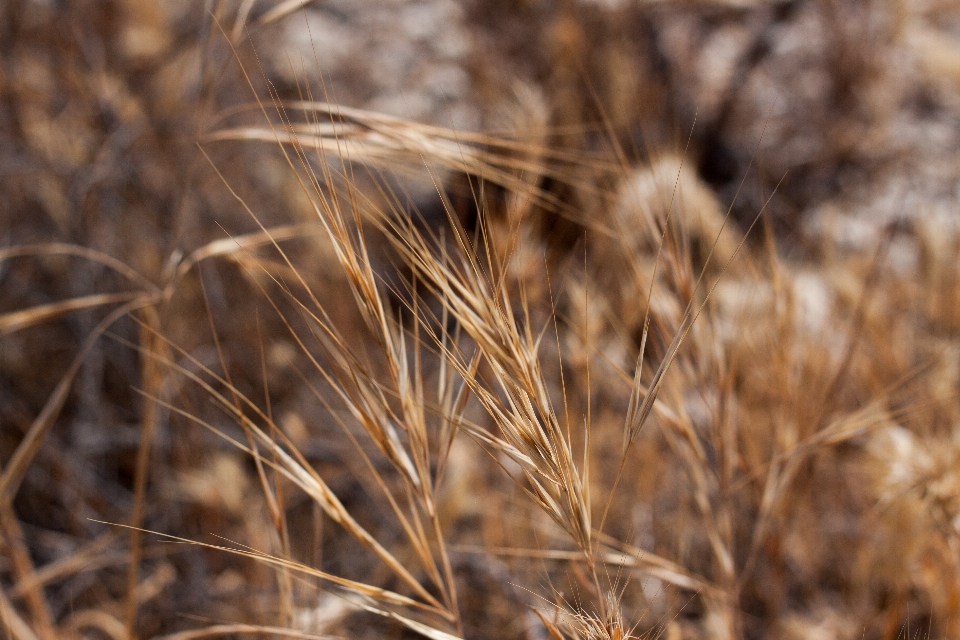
567 390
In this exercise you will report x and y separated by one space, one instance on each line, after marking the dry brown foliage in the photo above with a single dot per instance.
667 347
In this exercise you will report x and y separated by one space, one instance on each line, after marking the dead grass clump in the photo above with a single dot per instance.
340 373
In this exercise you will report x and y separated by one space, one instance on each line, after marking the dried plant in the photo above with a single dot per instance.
375 376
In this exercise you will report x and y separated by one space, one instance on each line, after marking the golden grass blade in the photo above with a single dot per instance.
340 121
282 10
88 558
225 247
373 149
378 140
17 464
65 249
17 320
152 381
500 147
21 564
317 489
412 139
552 629
630 557
377 419
423 629
243 629
240 24
11 621
637 415
292 466
359 588
97 619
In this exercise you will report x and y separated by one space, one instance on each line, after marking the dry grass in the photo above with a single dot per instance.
672 354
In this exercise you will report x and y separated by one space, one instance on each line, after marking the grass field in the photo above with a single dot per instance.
533 320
